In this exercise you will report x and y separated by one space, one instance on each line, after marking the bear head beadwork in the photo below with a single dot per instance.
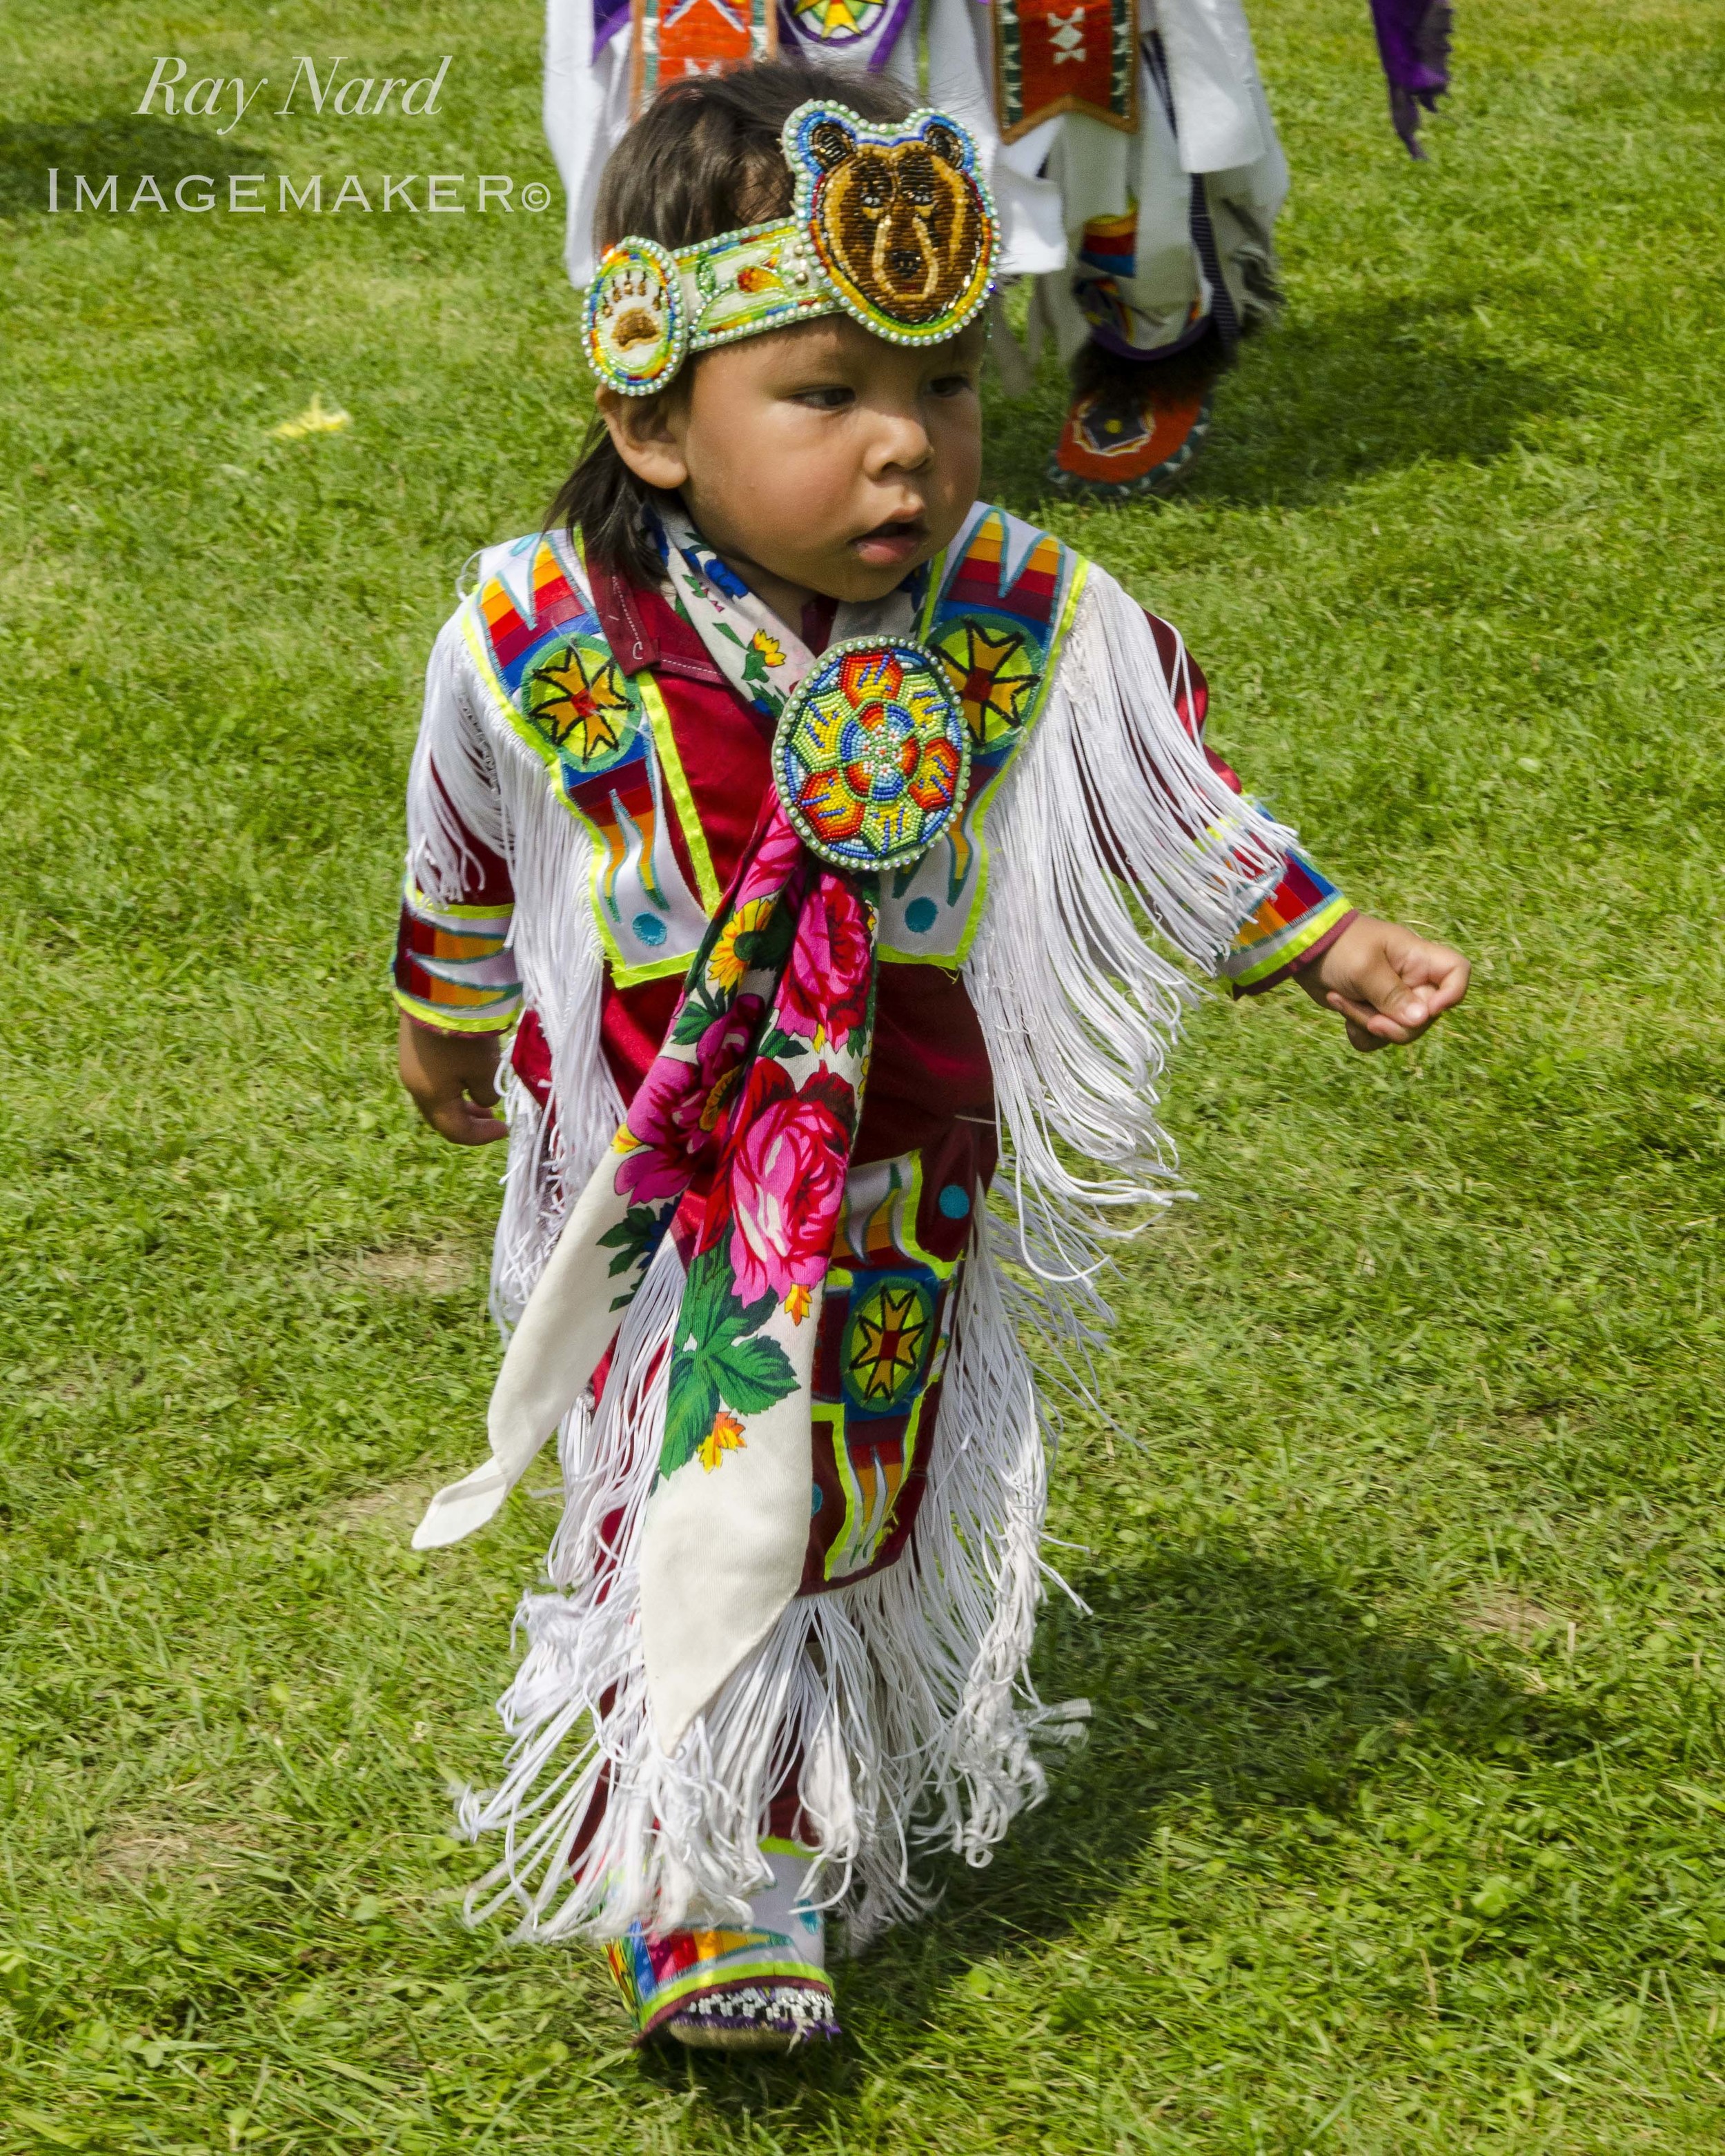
898 218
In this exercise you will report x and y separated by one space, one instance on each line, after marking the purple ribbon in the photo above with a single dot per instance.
609 18
1414 43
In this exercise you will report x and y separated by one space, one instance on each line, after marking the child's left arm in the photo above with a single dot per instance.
1389 984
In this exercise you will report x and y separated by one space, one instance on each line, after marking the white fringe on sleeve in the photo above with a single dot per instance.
1112 836
472 778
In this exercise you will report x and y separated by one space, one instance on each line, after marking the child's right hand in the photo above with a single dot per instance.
452 1077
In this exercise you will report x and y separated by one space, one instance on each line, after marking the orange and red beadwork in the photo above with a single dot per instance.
872 756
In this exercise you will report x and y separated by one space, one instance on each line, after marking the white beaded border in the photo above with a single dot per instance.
677 335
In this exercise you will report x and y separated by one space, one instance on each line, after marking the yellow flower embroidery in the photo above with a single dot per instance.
796 1304
771 651
724 1436
726 966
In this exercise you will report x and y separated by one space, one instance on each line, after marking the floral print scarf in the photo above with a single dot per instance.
761 658
701 1241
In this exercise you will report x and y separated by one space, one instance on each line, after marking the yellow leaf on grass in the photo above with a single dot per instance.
313 420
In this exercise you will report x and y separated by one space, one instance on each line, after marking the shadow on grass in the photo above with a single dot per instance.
1213 1673
1312 407
125 146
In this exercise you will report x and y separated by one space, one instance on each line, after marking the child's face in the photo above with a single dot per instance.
823 456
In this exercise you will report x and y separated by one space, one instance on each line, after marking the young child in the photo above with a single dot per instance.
818 830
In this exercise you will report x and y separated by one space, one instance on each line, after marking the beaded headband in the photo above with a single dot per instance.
892 226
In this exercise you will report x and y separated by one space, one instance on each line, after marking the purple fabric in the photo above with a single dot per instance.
609 18
1414 43
895 16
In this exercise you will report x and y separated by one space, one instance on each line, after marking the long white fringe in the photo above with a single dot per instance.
1112 830
905 1697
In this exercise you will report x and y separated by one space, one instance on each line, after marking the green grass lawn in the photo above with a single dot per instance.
1402 1824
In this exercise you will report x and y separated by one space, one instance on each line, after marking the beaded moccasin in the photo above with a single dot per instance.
1127 439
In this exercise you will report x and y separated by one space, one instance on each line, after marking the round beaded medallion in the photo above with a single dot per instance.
838 22
636 332
900 219
872 755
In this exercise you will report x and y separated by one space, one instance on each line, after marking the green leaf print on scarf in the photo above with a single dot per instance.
634 1239
716 1363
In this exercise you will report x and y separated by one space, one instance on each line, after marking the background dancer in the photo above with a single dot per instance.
1128 144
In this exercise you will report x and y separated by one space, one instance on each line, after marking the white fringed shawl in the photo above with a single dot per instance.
905 1696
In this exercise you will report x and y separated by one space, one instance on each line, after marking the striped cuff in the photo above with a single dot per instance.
1305 910
455 969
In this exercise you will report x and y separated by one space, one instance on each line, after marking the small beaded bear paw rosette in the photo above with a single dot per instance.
892 226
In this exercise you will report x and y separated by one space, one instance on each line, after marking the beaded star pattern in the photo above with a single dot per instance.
892 226
871 755
838 22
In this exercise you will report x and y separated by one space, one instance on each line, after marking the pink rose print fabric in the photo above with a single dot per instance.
781 1199
737 1143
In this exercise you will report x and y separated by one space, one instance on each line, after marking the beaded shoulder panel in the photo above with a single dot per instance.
999 606
605 742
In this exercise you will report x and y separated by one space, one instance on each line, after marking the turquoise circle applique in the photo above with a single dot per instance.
634 327
872 755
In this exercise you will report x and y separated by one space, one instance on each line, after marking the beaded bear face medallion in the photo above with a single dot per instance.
897 219
871 755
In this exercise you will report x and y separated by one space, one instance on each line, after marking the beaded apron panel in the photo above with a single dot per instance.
677 38
1065 56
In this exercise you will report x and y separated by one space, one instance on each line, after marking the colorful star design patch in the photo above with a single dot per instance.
886 1343
872 755
576 698
995 674
838 22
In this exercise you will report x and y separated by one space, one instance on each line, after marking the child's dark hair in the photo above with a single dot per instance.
703 158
